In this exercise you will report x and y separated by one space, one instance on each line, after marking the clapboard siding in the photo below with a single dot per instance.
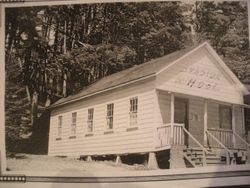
120 140
201 68
163 113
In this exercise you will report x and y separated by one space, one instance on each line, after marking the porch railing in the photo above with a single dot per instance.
227 137
163 135
178 137
246 145
222 135
229 156
178 134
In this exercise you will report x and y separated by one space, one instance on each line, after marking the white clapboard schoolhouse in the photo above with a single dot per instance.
188 103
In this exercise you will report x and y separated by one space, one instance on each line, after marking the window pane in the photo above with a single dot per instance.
90 119
133 111
73 124
110 112
74 117
59 125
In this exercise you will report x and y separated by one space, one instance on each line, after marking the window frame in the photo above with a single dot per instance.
110 116
133 111
90 120
73 124
59 126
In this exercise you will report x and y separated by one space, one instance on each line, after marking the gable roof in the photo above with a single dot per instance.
136 73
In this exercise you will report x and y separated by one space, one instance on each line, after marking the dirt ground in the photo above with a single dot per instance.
27 162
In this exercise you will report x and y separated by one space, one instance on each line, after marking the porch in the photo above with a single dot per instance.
227 141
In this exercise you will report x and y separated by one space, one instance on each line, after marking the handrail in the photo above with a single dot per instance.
218 129
166 125
194 139
178 124
218 142
223 146
205 151
245 142
185 130
225 136
169 125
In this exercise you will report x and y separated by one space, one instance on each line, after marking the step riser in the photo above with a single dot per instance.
213 158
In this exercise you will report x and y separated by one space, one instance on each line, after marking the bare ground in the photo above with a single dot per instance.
27 162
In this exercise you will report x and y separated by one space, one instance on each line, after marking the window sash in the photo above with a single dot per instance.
73 123
133 111
110 122
90 120
110 109
110 114
60 119
133 118
90 126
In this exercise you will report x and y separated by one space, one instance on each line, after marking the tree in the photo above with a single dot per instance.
225 26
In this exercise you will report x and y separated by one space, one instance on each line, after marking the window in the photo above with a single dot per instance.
225 117
73 124
133 111
110 113
90 120
59 133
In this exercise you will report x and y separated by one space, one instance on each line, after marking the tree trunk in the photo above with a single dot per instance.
64 85
65 38
56 37
34 107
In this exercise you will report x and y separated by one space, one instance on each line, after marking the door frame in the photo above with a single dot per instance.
186 123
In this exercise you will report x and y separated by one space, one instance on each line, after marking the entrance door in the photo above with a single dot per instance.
181 114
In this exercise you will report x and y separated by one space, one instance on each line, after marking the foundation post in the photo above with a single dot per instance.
152 162
176 157
118 160
89 158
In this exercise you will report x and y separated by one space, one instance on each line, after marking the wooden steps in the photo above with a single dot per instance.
214 157
196 158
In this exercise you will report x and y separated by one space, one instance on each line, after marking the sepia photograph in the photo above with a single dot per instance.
146 90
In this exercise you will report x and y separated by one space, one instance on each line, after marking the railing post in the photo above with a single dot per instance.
233 125
172 119
248 155
205 122
228 158
204 159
